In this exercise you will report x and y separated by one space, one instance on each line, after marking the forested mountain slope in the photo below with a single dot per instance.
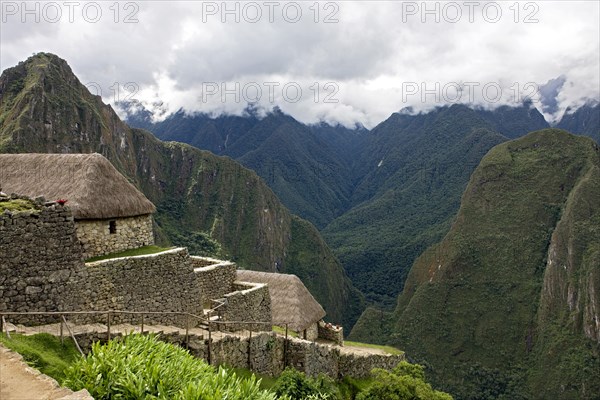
507 304
200 197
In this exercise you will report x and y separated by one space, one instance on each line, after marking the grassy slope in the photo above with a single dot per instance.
44 108
470 304
44 352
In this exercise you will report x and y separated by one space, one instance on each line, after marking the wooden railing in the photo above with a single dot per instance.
61 315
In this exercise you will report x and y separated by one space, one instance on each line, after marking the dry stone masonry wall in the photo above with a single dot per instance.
311 333
249 302
215 278
269 354
158 282
101 237
42 269
39 258
331 332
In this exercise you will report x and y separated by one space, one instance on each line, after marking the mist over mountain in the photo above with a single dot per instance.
308 167
44 108
380 197
549 94
583 121
474 240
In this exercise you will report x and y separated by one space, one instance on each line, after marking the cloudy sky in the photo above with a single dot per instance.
339 61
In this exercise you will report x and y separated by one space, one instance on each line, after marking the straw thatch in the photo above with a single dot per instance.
291 302
93 187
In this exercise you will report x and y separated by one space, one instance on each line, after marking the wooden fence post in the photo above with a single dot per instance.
108 327
62 340
73 336
187 331
209 343
285 347
249 347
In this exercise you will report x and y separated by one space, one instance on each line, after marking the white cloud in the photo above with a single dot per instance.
374 54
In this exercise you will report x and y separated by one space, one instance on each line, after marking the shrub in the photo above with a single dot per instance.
405 382
295 385
141 367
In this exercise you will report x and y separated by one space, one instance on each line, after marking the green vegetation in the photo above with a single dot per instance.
266 382
343 302
412 172
281 331
406 381
17 205
295 385
485 309
44 352
210 204
387 349
140 367
141 251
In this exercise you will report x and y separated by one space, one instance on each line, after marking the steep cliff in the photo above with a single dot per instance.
506 305
45 109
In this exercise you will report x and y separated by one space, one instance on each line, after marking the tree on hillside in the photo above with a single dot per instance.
405 382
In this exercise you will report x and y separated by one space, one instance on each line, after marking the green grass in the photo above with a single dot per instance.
388 349
266 382
142 251
44 352
281 331
17 205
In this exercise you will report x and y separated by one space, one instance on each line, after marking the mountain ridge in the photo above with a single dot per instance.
516 275
44 108
344 181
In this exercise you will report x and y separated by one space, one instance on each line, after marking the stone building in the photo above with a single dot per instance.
111 214
291 302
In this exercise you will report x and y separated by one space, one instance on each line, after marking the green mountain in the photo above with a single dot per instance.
414 169
332 175
583 121
308 167
507 305
200 197
514 122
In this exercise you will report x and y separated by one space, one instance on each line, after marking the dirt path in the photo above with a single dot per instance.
20 382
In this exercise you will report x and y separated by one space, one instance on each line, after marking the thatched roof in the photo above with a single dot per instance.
93 187
291 302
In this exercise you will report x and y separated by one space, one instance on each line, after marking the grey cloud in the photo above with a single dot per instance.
370 54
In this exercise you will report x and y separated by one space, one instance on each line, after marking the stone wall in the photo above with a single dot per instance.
331 332
269 354
215 278
249 302
311 333
42 269
313 358
39 257
360 366
129 233
158 282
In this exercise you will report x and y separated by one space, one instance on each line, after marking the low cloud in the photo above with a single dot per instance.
354 62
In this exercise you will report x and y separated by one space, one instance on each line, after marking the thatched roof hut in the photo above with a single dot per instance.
291 302
93 187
